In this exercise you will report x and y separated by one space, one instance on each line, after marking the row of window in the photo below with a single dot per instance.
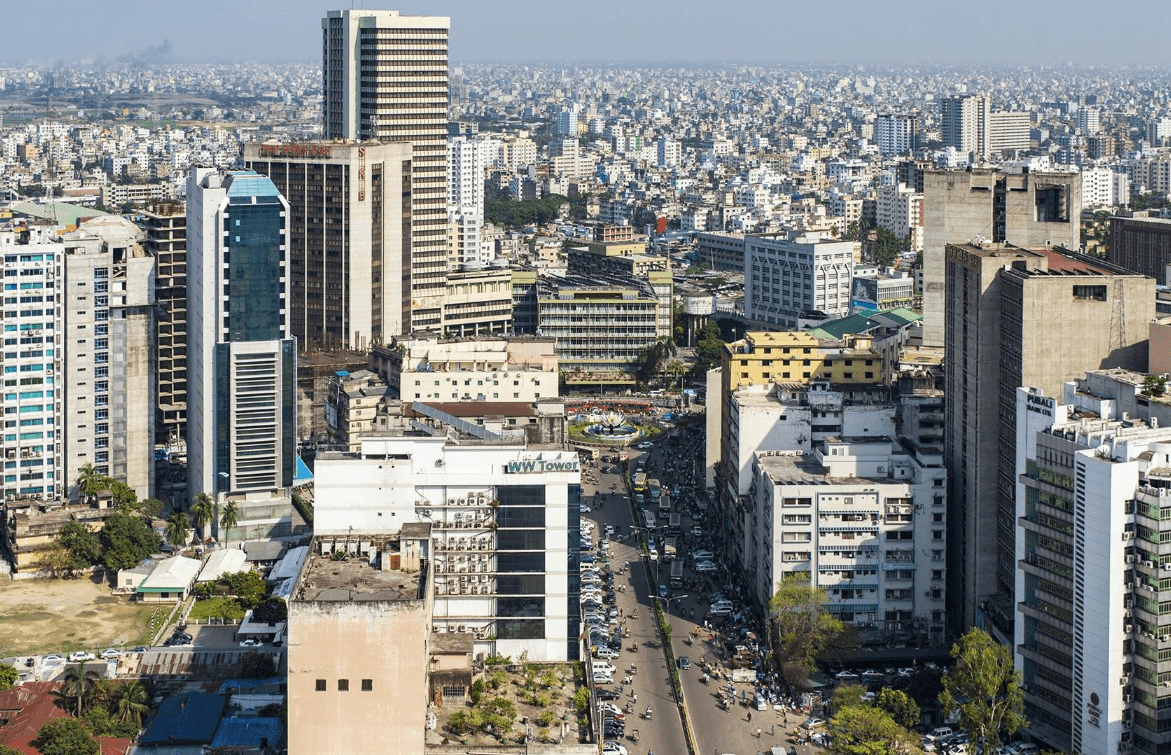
343 685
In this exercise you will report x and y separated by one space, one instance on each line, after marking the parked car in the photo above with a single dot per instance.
705 566
109 653
703 556
81 655
612 747
605 693
846 675
52 658
684 662
251 643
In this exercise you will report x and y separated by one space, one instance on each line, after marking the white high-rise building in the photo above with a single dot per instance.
241 399
900 211
1089 120
670 152
895 134
787 276
466 158
567 121
964 121
385 77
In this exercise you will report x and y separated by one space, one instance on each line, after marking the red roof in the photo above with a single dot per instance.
112 746
1058 261
27 708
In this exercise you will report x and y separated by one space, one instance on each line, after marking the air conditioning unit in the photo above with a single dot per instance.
1129 628
1149 565
1128 615
1125 680
1130 558
1127 698
1127 535
1127 725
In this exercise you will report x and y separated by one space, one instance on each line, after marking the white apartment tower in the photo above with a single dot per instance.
385 77
895 134
466 159
900 211
964 121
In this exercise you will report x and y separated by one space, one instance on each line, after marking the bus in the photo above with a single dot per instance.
664 505
639 482
650 520
676 575
656 489
675 525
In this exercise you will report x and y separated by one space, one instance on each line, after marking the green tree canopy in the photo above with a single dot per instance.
126 540
256 665
512 213
866 730
899 705
985 689
178 527
204 511
709 348
8 676
844 696
65 736
803 630
82 544
229 517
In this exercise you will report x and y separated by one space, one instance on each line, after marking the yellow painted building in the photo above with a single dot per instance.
764 357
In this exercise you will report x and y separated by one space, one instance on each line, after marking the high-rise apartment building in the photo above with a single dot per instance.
788 276
964 122
1026 209
466 161
349 238
241 429
900 210
385 77
1089 120
166 241
895 134
1093 483
1009 131
1017 317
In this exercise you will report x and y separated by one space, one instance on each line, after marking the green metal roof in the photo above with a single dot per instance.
59 212
864 321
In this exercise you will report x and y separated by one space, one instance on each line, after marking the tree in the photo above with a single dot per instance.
985 689
100 723
248 587
899 705
709 348
178 527
229 516
78 684
65 736
82 544
130 702
844 696
255 665
8 676
204 511
802 629
85 479
57 560
126 540
866 730
887 248
150 508
1154 385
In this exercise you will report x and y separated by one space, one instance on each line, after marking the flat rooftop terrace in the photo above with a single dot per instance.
348 575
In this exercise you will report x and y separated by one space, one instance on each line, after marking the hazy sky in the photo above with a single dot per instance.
932 31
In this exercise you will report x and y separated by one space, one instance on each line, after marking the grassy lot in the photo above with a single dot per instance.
40 616
221 607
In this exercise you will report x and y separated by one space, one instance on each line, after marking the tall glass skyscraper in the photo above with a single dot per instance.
241 432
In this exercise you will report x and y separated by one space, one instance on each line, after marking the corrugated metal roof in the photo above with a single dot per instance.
189 718
247 732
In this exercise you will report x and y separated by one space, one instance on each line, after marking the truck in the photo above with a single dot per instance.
664 505
670 549
676 575
656 490
675 524
650 520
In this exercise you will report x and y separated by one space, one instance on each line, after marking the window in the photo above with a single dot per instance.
343 685
320 685
367 685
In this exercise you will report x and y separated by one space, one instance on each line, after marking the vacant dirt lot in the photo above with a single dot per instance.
62 615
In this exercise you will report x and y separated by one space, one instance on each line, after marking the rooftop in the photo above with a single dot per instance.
328 577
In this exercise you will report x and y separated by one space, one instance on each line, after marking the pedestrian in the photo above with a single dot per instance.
758 732
749 716
773 731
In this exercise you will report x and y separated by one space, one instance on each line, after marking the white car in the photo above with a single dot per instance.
109 653
654 554
703 555
251 643
705 566
607 654
845 675
613 748
81 655
644 445
604 668
585 509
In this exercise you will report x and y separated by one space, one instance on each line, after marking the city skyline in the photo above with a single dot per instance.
910 31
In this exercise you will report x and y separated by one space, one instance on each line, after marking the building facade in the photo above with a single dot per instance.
349 238
1143 245
242 394
1028 209
863 519
1017 317
964 123
785 277
385 78
166 241
481 369
504 532
466 162
895 134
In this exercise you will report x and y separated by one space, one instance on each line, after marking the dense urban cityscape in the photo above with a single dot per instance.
403 403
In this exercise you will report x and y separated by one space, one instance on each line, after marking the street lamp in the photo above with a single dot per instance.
668 600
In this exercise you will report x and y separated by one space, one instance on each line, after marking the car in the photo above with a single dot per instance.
705 566
251 642
605 653
905 672
608 529
703 556
81 655
684 662
846 675
813 721
52 658
585 508
605 693
613 748
644 445
110 653
609 707
696 530
654 554
613 728
605 668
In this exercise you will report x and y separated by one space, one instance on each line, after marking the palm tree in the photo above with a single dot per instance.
85 477
229 516
77 683
204 511
177 527
130 702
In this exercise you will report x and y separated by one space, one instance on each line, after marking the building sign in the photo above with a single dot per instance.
295 150
1042 405
1094 710
537 466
